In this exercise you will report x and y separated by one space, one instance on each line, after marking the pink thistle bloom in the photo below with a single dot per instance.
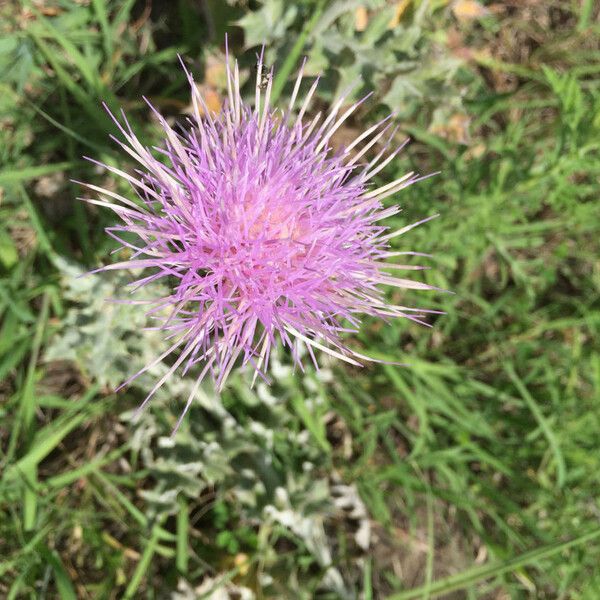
262 232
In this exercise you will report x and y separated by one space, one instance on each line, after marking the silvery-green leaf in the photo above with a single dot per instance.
268 23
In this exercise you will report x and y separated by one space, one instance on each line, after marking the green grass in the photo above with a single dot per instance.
478 463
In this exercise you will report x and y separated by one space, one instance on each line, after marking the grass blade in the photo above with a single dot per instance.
64 479
561 470
36 223
183 525
144 563
292 58
61 578
472 576
16 175
27 417
107 39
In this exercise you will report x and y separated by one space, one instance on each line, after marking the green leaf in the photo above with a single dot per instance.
268 23
313 422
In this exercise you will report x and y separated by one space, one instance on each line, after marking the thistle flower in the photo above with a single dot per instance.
263 234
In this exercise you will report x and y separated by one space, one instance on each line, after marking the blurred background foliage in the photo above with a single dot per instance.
472 473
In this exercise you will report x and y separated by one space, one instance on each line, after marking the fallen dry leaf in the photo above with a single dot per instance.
215 73
467 10
361 18
455 129
215 81
401 7
213 99
47 186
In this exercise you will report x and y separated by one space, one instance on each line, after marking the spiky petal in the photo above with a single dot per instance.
263 234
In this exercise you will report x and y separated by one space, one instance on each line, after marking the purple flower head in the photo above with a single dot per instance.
262 233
